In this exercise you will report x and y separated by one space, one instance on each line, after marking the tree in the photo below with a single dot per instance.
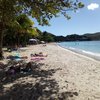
42 10
24 28
47 37
20 31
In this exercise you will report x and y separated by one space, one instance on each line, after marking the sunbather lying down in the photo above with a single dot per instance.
37 58
16 57
38 55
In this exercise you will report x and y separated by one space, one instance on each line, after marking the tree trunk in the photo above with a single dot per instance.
1 40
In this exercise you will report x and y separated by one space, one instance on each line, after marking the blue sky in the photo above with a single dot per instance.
86 20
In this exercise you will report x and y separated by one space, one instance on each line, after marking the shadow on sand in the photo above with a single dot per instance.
46 88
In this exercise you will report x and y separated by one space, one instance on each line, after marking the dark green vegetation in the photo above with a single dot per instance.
48 37
20 32
21 37
95 36
75 37
41 10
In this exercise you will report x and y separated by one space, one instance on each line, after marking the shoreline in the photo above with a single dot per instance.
90 56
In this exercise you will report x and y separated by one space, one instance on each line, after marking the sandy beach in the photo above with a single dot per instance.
62 75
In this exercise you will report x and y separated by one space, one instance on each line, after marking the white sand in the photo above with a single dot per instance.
72 72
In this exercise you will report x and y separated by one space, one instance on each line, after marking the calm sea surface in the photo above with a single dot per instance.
86 47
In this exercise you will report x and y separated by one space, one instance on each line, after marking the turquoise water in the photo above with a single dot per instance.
88 47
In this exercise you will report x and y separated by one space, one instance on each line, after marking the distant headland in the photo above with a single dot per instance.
73 37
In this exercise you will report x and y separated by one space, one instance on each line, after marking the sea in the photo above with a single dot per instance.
88 48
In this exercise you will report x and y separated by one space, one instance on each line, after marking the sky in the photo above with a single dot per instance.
85 20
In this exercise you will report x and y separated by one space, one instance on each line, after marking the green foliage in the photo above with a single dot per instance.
48 37
42 10
76 37
93 36
24 21
20 31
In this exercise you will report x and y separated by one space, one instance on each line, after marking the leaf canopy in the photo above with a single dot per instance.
41 10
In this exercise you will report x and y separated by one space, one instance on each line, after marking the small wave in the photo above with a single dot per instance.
91 53
83 51
71 48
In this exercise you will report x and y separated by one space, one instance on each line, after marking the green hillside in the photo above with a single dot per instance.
95 36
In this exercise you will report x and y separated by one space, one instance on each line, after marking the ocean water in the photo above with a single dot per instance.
89 48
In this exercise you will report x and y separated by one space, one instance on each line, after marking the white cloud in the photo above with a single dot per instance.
93 6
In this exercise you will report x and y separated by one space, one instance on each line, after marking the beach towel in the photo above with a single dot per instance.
37 58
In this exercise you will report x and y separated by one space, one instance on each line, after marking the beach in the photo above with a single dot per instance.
62 75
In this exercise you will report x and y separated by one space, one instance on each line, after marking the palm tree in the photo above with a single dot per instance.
20 30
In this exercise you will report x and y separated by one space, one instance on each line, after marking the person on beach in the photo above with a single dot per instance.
39 54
